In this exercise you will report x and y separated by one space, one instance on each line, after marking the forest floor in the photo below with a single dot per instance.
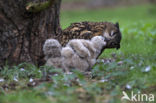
132 68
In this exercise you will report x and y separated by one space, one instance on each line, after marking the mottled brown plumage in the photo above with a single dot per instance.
87 30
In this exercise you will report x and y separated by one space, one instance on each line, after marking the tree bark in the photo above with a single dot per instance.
22 33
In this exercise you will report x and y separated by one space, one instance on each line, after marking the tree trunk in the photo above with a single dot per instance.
22 33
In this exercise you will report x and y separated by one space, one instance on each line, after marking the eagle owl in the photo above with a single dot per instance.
87 30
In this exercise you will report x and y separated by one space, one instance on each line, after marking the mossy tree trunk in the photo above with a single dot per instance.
23 33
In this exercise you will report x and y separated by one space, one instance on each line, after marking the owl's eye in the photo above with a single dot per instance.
112 33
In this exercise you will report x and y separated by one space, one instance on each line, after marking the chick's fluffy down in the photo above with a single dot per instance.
79 53
79 48
52 51
71 60
98 43
52 48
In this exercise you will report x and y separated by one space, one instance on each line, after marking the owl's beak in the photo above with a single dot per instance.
118 46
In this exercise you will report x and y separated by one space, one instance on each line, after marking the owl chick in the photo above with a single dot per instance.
71 60
78 46
81 54
52 51
98 43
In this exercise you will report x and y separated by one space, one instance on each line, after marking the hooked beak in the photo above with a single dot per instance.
118 46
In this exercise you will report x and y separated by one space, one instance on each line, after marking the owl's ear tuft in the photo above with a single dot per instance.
117 25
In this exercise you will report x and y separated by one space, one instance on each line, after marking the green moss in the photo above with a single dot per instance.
37 7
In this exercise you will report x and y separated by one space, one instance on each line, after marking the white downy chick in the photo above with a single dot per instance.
71 60
52 51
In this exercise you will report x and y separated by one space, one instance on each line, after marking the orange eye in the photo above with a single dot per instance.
113 33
